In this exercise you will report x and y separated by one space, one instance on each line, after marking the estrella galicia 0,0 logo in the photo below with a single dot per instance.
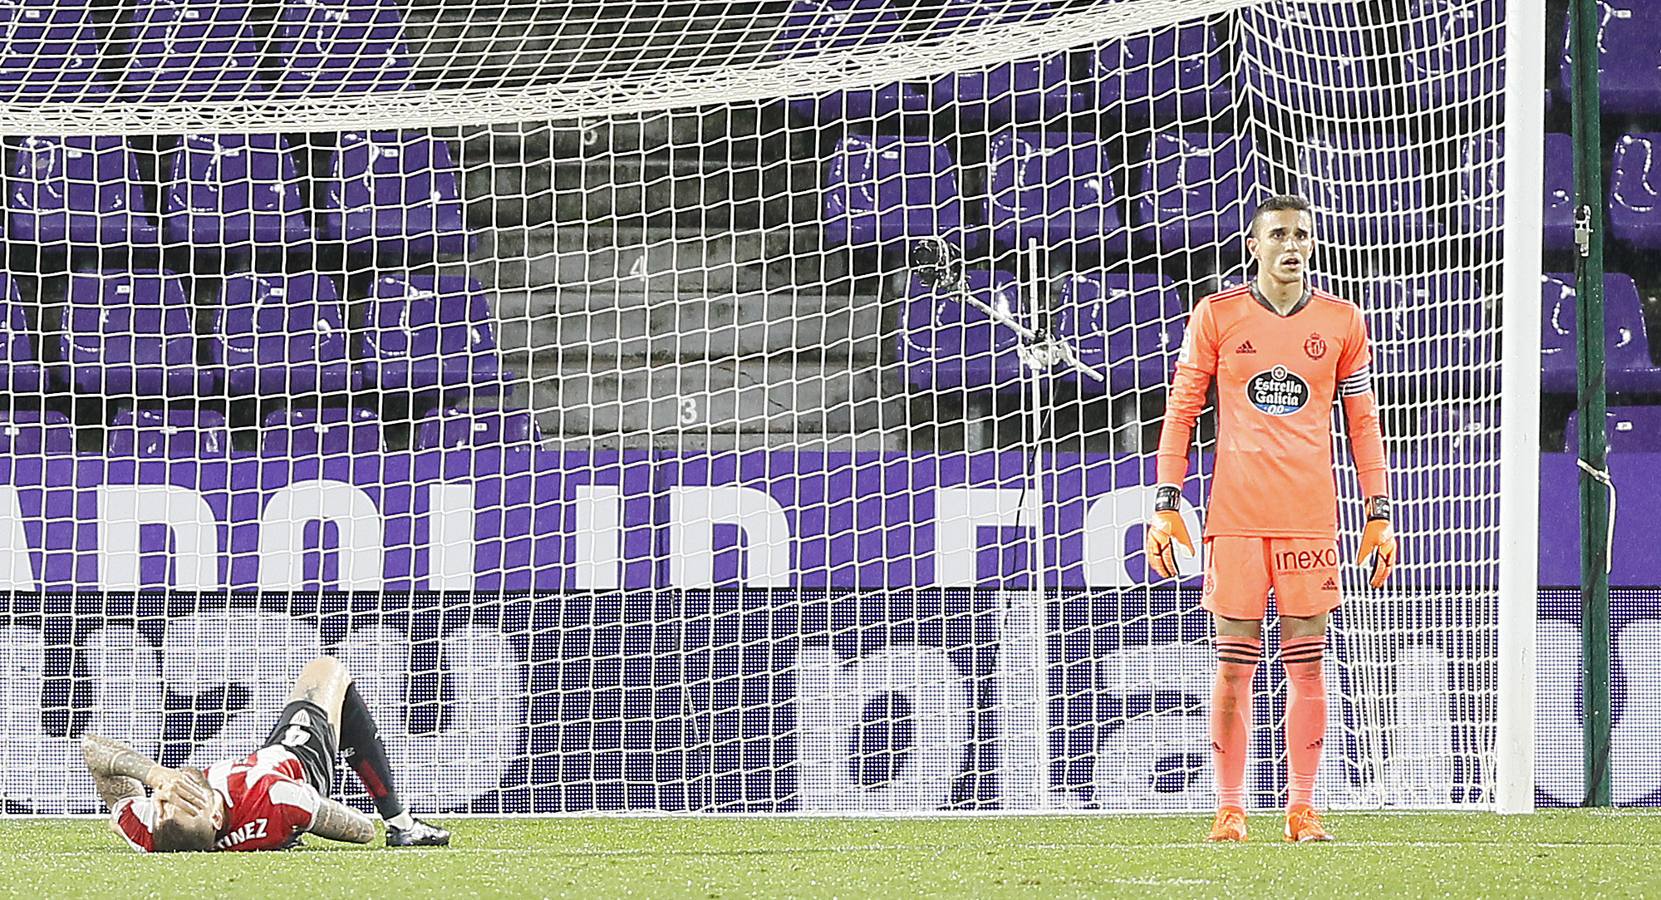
1277 391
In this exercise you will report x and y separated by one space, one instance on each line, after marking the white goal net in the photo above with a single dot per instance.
673 407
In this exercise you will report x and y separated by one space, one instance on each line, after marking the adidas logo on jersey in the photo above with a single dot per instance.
1331 584
1245 348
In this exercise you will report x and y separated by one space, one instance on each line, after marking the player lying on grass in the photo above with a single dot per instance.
1280 352
268 799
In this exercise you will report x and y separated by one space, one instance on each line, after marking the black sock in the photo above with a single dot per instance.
361 744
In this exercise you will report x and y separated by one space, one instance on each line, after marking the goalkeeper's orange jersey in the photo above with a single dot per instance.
1277 378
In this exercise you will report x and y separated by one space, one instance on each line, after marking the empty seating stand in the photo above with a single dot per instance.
1482 202
879 190
1194 190
813 26
129 333
169 434
1454 52
1626 353
234 192
193 50
1332 48
326 431
1430 336
1172 72
21 370
1055 188
396 195
455 429
1629 58
1129 326
49 51
1630 429
947 343
1022 91
79 190
342 46
429 333
1368 189
1635 191
33 433
279 335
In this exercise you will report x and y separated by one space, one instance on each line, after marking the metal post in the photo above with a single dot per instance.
1585 17
1525 38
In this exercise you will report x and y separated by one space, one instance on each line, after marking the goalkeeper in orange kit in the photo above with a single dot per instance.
1281 353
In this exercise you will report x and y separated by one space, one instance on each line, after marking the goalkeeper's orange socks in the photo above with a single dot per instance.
1231 715
1305 716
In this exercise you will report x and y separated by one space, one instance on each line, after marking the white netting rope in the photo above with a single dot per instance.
624 82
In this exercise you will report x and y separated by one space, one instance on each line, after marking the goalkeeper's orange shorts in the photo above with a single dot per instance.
1239 571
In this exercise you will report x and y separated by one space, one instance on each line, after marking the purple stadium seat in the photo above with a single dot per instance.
1430 334
49 50
451 429
1635 191
813 26
1173 71
33 433
1055 188
947 343
431 332
1482 203
282 334
173 434
1629 58
397 194
308 431
1196 189
83 190
1454 51
193 50
1316 57
899 97
1626 353
1452 430
1368 190
128 333
21 371
1026 91
882 189
230 190
1129 325
1630 429
342 46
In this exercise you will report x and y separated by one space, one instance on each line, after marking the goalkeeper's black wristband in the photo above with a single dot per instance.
1167 498
1378 508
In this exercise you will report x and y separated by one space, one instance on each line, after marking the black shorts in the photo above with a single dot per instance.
304 730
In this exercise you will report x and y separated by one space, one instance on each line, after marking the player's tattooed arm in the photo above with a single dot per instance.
118 771
339 822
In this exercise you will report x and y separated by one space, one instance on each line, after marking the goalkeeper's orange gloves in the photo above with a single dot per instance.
1378 542
1165 528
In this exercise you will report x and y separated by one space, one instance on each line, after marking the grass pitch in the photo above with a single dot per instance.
1570 853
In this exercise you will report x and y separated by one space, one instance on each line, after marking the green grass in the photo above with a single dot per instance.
1558 853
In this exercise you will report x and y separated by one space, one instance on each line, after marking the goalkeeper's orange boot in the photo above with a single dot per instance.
1229 826
1303 826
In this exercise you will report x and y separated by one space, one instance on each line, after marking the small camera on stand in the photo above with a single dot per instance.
938 263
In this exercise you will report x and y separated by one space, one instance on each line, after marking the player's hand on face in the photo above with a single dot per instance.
179 789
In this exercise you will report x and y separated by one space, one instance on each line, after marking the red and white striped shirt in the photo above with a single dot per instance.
267 801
